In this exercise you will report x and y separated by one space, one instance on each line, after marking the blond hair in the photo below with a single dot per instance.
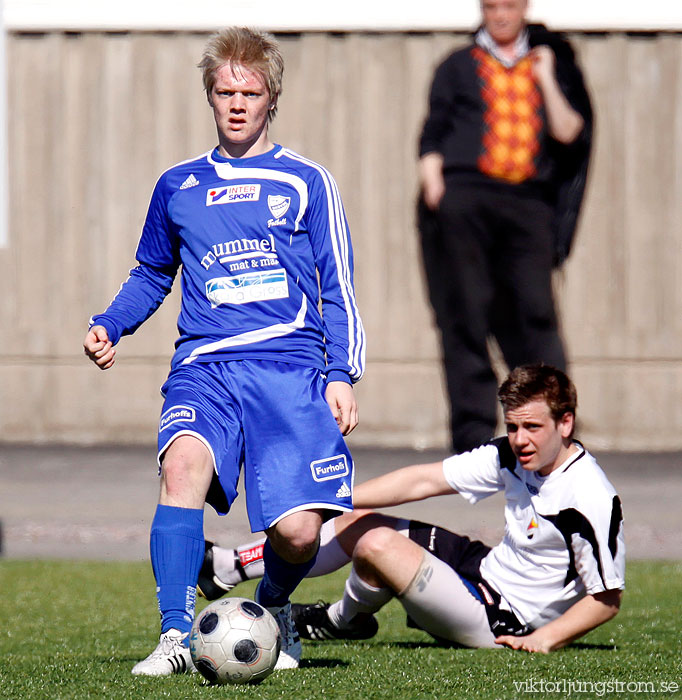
258 51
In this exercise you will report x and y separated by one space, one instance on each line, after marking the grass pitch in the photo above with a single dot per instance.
75 629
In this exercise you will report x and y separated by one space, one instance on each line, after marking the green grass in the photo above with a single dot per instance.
75 629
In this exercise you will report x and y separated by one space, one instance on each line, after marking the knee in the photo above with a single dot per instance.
296 537
186 467
373 543
175 468
178 468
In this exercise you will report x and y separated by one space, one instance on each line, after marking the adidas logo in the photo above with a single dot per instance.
191 181
344 491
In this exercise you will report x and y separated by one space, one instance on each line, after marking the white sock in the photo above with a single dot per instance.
331 556
441 604
250 556
358 597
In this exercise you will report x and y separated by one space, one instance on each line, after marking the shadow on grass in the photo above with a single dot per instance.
591 647
432 644
426 644
322 663
305 663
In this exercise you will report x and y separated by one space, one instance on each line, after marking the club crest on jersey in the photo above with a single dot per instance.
232 194
278 205
330 468
176 414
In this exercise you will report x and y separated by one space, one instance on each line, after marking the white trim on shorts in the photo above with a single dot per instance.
191 433
310 506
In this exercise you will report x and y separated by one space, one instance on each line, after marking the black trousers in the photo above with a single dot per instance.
487 256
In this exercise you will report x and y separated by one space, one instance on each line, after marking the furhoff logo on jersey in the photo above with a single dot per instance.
232 194
330 468
176 414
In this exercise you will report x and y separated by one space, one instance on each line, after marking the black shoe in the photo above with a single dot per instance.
312 622
209 586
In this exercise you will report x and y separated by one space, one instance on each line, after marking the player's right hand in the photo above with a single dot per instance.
98 347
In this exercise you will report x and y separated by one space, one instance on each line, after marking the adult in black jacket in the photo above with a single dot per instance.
503 163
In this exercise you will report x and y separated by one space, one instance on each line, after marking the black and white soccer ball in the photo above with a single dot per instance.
234 640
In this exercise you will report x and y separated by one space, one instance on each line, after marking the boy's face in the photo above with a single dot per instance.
241 104
537 440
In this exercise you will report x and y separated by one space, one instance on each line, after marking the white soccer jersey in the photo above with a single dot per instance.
563 532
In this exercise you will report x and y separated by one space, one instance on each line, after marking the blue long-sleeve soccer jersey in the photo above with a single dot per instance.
261 241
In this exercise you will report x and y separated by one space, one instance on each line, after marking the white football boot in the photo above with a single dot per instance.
290 652
170 656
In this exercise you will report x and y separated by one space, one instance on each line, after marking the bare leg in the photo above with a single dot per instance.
186 473
338 538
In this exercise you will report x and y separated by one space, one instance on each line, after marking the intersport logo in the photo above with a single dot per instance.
232 194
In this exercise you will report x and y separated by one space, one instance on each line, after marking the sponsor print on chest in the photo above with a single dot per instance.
278 204
258 274
255 270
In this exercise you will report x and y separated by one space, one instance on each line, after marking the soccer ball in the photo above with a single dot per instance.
234 640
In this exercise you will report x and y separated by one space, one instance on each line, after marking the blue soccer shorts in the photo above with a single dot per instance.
272 419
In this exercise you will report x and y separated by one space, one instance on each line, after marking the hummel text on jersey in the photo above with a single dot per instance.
232 193
239 248
330 468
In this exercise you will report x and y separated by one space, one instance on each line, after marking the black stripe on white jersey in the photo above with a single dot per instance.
578 458
614 527
505 454
570 522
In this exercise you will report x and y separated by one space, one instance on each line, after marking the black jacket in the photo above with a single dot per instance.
572 161
563 183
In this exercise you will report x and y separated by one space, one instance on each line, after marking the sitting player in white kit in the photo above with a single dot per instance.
557 574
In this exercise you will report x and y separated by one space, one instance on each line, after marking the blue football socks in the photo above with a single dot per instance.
280 579
177 552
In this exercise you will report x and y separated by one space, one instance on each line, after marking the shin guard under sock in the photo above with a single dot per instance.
177 551
280 579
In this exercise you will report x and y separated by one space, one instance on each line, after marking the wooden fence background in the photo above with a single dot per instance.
95 117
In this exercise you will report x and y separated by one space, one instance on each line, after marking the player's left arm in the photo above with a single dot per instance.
589 612
327 226
564 123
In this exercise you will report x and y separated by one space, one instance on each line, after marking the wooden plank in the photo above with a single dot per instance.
95 118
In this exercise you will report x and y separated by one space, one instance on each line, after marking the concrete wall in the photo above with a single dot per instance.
95 117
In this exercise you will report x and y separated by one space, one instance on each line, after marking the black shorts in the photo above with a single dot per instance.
457 551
